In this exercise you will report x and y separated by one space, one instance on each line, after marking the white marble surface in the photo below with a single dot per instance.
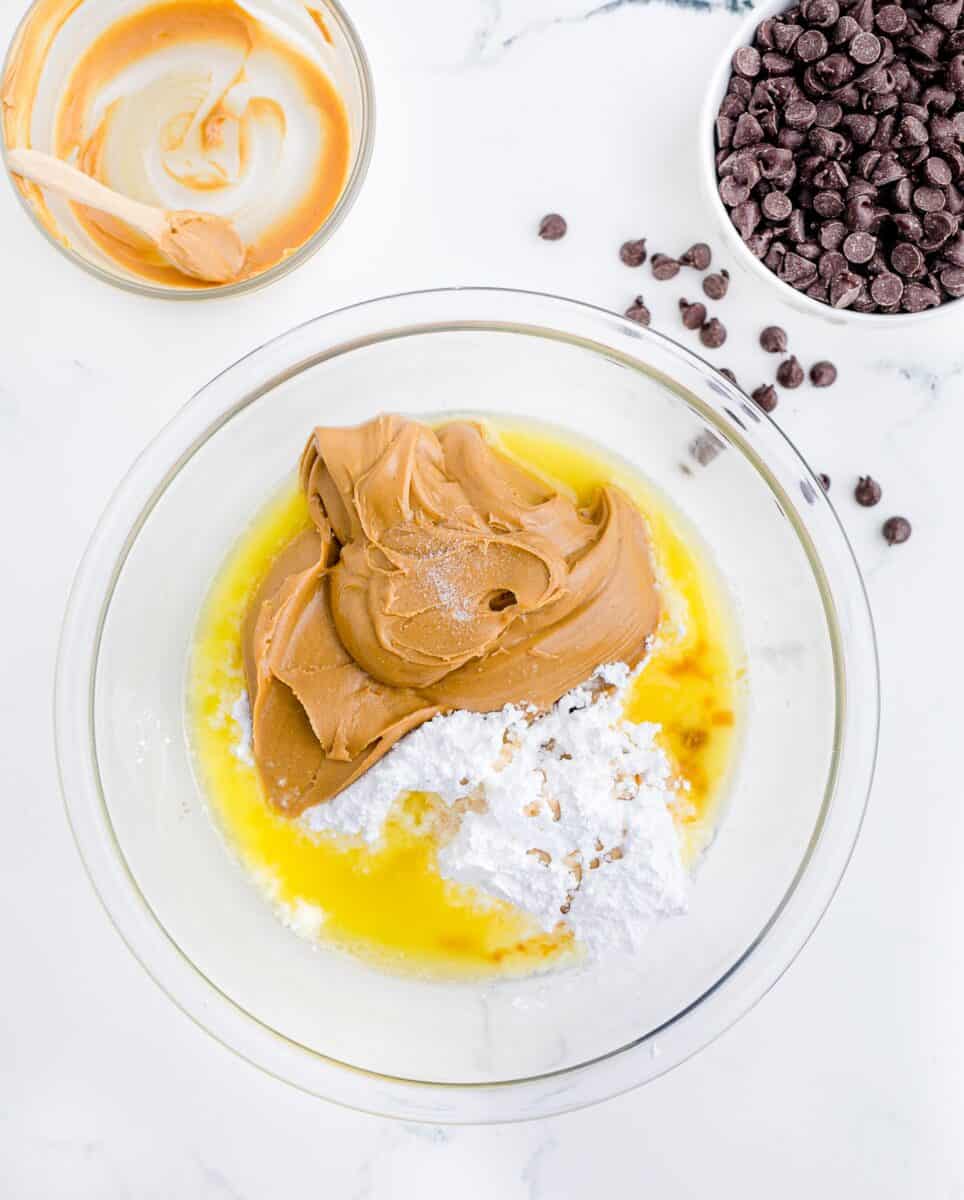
846 1079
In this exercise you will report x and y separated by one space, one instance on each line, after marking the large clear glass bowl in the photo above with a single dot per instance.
462 1052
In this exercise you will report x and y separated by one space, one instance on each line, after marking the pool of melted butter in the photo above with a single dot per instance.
389 904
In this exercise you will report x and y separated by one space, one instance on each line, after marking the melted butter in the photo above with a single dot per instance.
189 105
389 904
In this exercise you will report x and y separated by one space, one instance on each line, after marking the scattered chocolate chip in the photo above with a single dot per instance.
699 255
633 254
664 267
730 376
638 312
717 284
773 339
766 396
868 491
896 530
713 334
552 227
824 481
790 373
693 314
823 374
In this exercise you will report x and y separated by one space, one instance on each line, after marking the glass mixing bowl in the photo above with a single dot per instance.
444 1051
338 51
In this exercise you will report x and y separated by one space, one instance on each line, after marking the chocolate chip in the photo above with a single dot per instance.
828 204
810 46
832 263
823 13
859 247
891 19
796 270
860 126
766 396
829 114
747 62
693 315
929 199
732 192
864 49
823 374
699 256
896 530
717 284
633 254
952 281
664 267
918 297
638 312
936 171
552 227
824 481
748 132
776 206
868 491
938 227
832 235
887 289
906 259
844 289
790 373
730 376
713 334
773 339
800 114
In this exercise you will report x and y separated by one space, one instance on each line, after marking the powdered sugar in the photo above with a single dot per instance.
567 815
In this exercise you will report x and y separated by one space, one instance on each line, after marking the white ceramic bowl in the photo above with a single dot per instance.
416 1048
735 244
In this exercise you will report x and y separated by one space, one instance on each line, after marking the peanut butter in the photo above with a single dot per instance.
438 575
203 245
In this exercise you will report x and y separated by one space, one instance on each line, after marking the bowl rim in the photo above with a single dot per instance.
346 200
706 149
853 645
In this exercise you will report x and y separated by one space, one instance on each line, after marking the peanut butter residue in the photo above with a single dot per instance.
437 575
204 246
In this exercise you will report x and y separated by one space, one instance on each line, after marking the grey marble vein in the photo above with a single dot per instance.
496 34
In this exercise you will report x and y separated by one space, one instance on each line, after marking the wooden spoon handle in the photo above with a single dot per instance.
54 173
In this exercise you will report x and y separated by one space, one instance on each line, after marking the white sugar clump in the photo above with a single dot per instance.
241 713
566 815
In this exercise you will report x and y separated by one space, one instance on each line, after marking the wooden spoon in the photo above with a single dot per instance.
201 245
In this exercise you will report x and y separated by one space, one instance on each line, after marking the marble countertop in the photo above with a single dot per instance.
848 1074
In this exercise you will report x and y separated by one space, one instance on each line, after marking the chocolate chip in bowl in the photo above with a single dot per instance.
833 152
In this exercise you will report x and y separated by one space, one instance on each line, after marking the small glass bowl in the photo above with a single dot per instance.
497 1050
343 57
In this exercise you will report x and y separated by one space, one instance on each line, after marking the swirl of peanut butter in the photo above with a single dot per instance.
438 575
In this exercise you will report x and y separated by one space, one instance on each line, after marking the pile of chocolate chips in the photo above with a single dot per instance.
839 151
